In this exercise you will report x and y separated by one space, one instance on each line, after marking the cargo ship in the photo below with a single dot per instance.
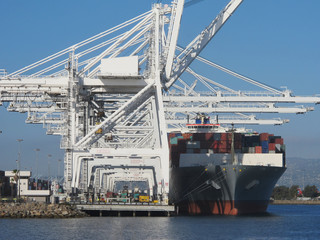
222 171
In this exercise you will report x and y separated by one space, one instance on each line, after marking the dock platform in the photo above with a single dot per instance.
126 209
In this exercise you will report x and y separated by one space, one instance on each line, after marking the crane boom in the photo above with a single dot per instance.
199 43
174 36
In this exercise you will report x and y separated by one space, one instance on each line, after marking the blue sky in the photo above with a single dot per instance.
276 42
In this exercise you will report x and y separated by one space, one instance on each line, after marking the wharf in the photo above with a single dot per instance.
126 209
295 202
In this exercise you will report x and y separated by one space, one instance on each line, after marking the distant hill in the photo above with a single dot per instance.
301 172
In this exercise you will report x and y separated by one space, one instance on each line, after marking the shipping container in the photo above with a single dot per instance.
189 150
198 137
258 149
223 136
209 137
196 150
187 136
206 144
238 137
272 147
215 145
264 137
265 144
193 144
245 149
171 135
273 138
251 150
223 150
217 137
174 140
279 141
224 144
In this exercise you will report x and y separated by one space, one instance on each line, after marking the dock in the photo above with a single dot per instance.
124 209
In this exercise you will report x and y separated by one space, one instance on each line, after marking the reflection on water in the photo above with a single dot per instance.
281 222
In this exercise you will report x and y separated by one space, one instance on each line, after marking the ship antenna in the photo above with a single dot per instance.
232 144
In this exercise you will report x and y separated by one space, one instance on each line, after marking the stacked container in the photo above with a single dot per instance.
221 143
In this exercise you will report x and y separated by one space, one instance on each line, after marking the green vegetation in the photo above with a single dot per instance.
286 193
311 191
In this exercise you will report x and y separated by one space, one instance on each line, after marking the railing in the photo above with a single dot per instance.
118 200
228 94
3 73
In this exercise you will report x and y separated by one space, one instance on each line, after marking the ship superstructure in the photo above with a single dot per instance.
114 97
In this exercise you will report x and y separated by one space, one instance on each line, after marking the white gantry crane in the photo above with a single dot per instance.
114 97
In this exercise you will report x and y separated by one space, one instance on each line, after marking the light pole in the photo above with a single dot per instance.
37 159
19 166
59 161
49 156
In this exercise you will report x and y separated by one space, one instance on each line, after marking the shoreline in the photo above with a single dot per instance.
39 210
295 202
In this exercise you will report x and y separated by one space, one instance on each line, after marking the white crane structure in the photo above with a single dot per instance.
114 97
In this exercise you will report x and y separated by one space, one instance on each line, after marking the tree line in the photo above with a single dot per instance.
289 193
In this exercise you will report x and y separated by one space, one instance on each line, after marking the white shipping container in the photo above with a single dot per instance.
252 149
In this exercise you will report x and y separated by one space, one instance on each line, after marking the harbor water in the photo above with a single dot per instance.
281 222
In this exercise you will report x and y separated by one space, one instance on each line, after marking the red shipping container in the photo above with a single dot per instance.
279 141
272 146
186 136
264 137
224 136
209 136
223 144
258 149
215 145
171 135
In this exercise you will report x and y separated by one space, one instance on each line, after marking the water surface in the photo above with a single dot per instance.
282 222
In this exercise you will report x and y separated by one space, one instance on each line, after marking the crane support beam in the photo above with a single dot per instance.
176 17
239 121
258 98
238 109
200 42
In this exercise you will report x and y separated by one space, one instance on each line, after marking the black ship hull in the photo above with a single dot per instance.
223 189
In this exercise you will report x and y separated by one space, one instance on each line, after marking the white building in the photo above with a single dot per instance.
22 180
